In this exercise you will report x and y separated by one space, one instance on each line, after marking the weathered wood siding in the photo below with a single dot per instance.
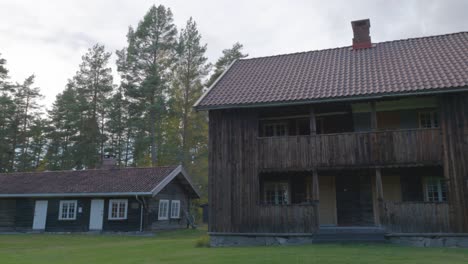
173 191
132 223
359 149
415 217
454 124
7 214
80 224
234 181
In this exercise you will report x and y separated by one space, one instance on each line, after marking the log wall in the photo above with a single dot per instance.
234 181
454 124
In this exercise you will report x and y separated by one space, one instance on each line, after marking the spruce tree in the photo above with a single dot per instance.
228 57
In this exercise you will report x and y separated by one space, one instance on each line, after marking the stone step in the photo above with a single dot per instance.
350 234
351 230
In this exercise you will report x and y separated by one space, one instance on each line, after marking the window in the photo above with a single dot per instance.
276 193
428 119
67 210
436 189
118 209
175 209
275 129
163 210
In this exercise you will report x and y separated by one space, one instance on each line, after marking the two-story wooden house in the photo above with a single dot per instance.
369 136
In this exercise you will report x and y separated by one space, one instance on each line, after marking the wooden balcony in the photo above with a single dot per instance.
358 149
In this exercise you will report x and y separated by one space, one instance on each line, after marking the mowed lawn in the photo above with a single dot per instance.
179 247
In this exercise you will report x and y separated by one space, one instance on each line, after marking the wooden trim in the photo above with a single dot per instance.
313 122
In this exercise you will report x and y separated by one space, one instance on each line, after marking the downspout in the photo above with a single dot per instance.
141 212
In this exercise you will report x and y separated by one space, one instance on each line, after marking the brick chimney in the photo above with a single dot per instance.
361 39
108 162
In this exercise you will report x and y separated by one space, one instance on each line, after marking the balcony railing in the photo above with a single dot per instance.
380 148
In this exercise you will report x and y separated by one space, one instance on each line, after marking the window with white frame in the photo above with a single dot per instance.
436 189
118 209
175 209
428 119
67 210
276 193
163 213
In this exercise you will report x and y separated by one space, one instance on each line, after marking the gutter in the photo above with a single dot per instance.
141 211
32 195
331 100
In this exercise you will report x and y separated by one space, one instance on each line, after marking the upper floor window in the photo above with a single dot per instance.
284 127
436 189
428 119
67 210
275 129
118 209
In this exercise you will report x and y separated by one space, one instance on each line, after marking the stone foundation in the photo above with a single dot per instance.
232 240
430 240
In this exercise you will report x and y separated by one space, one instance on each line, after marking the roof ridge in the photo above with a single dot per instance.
343 47
87 170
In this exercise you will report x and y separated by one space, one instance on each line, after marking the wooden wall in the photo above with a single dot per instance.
454 124
415 217
234 181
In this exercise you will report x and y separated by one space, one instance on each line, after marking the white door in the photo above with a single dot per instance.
97 214
40 215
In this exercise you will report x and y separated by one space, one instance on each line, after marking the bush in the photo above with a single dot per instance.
203 241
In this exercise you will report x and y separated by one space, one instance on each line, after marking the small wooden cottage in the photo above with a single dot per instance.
128 199
372 137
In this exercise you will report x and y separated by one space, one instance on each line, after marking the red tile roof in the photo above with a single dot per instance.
109 181
396 67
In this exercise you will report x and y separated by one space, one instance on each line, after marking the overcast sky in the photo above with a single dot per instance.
48 38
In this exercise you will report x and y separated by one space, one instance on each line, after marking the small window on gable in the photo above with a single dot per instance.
175 209
67 210
436 189
276 193
118 209
163 213
428 119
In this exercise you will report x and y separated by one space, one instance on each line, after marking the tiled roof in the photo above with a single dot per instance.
396 67
127 180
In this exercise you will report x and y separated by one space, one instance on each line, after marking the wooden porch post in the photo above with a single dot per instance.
380 195
373 117
313 128
315 197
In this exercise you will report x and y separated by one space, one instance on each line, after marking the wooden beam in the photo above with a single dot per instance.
315 186
373 117
379 185
313 121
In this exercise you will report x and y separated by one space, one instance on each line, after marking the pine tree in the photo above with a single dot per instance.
190 70
228 57
150 55
7 110
26 99
63 130
94 86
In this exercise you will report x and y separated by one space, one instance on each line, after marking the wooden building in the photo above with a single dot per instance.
371 135
111 199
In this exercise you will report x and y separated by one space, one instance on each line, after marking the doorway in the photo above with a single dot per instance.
96 215
354 203
40 215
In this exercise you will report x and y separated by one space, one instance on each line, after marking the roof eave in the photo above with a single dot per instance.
197 103
337 99
100 194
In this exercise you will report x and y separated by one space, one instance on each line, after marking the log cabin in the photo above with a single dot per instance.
101 200
368 139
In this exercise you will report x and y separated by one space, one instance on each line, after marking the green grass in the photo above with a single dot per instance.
179 247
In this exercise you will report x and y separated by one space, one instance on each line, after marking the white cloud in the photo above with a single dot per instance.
48 38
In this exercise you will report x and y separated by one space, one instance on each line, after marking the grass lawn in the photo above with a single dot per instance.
179 247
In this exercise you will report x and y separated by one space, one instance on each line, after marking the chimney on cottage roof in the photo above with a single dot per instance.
108 162
361 39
